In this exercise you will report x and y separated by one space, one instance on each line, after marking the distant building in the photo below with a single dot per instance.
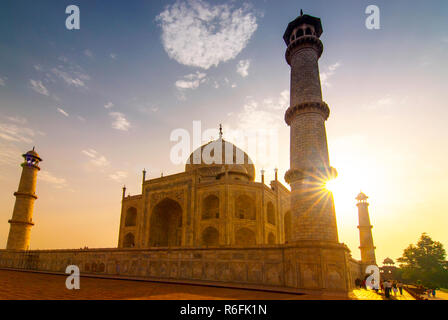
389 271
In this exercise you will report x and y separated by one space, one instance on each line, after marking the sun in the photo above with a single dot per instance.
331 185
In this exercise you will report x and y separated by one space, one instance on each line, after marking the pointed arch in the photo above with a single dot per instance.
129 240
210 237
131 217
210 207
287 226
166 224
271 238
270 212
245 207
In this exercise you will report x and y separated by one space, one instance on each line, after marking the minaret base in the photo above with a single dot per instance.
318 267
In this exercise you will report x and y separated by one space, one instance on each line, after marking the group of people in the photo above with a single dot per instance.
386 286
391 285
430 292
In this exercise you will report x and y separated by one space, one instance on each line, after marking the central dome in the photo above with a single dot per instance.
204 160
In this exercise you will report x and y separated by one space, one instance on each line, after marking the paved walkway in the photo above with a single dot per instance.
16 285
440 295
364 294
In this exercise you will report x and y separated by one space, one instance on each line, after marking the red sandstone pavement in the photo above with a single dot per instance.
16 285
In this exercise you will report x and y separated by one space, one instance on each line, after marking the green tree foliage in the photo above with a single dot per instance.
425 263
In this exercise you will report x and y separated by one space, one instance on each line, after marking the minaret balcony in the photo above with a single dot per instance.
306 41
307 107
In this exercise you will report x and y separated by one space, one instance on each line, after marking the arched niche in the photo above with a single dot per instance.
210 207
166 224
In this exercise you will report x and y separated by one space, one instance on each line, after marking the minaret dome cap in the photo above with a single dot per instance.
33 154
361 196
303 19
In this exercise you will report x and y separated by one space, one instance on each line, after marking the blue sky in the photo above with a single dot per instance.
100 103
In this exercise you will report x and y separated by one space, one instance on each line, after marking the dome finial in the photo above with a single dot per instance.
220 131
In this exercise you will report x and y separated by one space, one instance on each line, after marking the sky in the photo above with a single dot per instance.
101 103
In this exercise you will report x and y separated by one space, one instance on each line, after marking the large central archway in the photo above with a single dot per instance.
166 224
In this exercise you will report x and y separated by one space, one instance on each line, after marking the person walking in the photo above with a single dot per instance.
387 287
434 293
400 287
394 288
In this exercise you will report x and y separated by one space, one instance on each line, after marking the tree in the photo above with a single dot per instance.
425 262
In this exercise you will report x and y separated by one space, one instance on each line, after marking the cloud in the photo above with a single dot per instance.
325 76
71 80
71 73
63 112
3 81
17 119
191 81
259 122
108 105
118 176
113 56
95 158
198 34
119 121
50 178
386 101
12 132
39 87
243 68
11 155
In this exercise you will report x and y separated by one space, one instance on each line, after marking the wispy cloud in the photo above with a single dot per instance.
386 101
196 33
119 176
11 155
71 80
96 159
108 105
39 87
48 177
71 73
242 68
119 121
191 81
63 112
3 81
113 56
17 119
260 121
12 132
325 76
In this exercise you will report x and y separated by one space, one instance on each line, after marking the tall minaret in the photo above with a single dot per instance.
312 206
22 216
365 231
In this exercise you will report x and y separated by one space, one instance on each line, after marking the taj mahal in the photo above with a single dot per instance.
213 224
